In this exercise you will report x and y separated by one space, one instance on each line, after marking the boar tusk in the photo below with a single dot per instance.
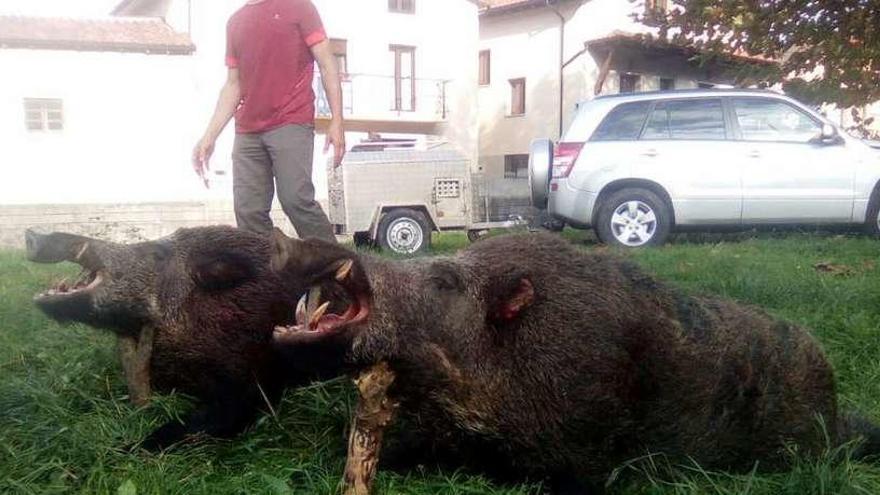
81 252
314 299
344 271
316 316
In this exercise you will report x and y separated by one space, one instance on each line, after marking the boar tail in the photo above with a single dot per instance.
855 427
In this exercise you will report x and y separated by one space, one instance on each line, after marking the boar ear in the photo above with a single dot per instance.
222 270
280 250
513 299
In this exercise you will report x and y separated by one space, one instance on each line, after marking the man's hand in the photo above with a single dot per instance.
202 157
336 137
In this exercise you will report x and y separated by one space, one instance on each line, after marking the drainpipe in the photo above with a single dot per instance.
561 61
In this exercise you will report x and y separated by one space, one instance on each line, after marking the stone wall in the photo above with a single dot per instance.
118 222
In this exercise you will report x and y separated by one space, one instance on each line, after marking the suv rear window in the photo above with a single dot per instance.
624 123
686 119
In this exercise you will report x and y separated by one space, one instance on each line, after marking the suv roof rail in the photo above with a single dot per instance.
649 94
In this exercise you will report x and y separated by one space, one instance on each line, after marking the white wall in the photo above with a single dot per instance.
525 43
521 45
131 120
128 125
446 36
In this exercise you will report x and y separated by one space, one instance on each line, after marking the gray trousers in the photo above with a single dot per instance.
278 159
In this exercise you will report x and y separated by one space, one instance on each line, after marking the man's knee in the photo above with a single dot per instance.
252 215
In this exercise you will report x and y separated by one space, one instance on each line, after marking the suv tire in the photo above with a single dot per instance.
633 218
872 218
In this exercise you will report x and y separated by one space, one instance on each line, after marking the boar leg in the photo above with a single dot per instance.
374 412
135 353
233 407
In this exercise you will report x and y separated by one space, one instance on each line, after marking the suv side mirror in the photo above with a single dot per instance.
829 135
828 132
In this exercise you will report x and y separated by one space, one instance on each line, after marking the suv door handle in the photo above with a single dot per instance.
754 154
650 152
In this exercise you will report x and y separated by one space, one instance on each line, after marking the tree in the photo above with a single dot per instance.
828 50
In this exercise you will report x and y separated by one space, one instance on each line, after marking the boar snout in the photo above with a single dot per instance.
58 247
339 293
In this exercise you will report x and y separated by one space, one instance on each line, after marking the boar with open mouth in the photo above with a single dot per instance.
193 312
562 364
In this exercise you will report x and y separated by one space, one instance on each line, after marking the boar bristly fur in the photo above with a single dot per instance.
562 363
212 302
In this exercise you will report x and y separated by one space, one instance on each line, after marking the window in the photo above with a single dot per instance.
667 83
686 119
485 67
403 6
624 123
43 114
404 78
340 53
516 166
629 83
762 119
517 96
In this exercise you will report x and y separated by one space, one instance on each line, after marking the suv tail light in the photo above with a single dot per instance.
564 157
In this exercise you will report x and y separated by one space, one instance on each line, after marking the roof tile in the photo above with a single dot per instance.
112 34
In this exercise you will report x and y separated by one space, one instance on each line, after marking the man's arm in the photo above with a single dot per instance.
333 88
227 103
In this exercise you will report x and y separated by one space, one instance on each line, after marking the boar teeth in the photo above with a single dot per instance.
344 271
316 316
301 309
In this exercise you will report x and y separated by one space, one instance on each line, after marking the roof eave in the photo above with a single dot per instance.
86 46
657 44
516 7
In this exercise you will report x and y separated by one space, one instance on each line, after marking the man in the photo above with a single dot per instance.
271 49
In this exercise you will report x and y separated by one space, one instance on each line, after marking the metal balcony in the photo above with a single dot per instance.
367 97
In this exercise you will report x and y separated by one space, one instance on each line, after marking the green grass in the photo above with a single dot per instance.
64 416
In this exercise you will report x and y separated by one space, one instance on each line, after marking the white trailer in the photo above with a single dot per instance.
395 198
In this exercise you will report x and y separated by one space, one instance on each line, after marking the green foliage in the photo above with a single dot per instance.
833 48
65 422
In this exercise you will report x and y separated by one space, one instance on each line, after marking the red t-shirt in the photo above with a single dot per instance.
269 42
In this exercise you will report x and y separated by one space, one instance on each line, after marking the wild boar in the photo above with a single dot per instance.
558 363
194 312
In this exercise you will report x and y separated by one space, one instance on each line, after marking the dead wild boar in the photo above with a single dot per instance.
563 364
193 312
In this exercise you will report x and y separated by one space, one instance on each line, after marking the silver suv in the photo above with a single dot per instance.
636 166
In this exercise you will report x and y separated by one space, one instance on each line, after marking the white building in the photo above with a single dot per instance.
539 58
98 116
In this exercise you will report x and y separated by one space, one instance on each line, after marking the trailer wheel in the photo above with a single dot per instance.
476 235
404 231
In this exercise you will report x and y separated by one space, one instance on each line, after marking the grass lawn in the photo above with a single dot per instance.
64 416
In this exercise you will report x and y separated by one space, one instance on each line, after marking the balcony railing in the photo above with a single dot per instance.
373 97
